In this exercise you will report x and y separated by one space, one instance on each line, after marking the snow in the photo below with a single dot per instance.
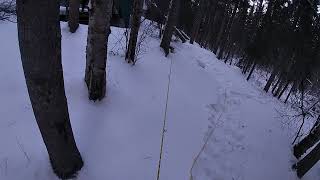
119 138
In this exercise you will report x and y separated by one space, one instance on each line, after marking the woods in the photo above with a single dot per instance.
279 37
264 35
273 42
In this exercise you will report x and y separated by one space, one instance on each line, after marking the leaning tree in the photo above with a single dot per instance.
40 47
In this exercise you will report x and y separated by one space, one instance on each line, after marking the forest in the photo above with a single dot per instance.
257 56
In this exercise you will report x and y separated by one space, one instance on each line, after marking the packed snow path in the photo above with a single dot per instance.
119 138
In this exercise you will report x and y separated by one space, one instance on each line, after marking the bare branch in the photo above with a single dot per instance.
7 10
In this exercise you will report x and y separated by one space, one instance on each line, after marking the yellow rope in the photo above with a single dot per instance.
164 122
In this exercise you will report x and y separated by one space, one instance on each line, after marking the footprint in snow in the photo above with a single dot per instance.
201 64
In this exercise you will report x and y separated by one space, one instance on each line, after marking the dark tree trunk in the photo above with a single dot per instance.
179 34
246 66
135 26
277 92
251 71
222 29
305 164
270 80
227 30
310 140
213 16
287 98
284 89
40 47
276 85
169 27
197 21
160 30
231 60
73 20
97 42
67 8
227 58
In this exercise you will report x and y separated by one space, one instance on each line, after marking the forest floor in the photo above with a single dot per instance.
245 133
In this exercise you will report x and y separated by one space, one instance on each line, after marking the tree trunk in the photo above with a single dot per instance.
251 71
160 30
179 34
304 165
222 28
227 31
277 83
231 59
67 8
135 26
311 139
197 21
281 84
287 98
40 47
246 66
169 27
270 80
213 15
98 32
73 20
284 89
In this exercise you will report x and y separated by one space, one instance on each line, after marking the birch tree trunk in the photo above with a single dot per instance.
169 27
40 47
135 26
73 20
96 58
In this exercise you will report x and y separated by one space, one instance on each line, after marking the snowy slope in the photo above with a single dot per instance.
119 138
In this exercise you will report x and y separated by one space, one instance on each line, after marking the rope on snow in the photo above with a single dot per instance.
164 121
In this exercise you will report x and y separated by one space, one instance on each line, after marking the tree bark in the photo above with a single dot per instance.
277 83
270 80
96 57
179 34
210 33
291 89
311 139
247 66
135 26
305 164
222 28
160 30
197 21
251 71
73 20
39 36
169 27
281 84
227 31
284 89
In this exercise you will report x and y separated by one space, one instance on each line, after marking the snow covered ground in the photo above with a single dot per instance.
119 138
